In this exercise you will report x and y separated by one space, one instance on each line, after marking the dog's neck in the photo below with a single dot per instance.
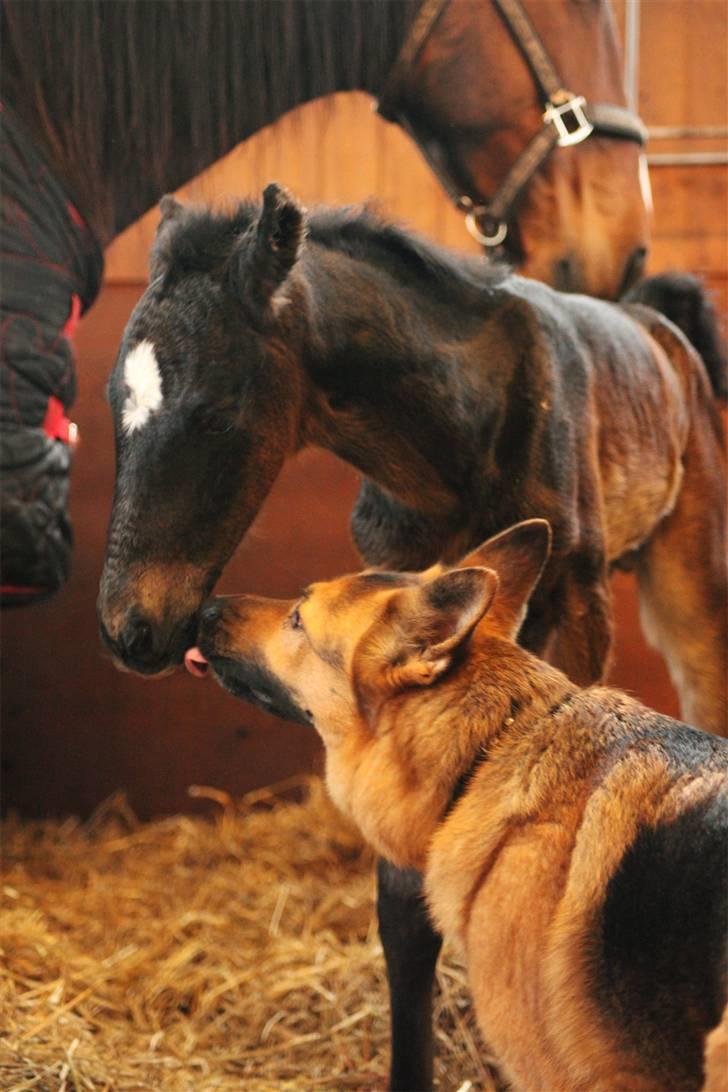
400 779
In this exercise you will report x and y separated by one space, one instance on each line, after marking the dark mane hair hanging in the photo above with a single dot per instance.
135 98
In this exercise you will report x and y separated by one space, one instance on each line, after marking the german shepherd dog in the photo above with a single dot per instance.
574 844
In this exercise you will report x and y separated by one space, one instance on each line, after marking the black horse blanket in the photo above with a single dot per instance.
51 271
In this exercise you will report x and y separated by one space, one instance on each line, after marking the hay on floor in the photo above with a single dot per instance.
187 954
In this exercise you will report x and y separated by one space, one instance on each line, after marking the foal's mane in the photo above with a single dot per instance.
364 234
204 240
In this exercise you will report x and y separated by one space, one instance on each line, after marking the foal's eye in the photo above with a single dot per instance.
218 422
214 421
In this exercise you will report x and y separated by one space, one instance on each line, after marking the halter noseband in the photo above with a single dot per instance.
568 119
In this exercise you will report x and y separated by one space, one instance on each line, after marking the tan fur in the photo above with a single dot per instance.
156 588
716 1057
640 453
682 571
516 872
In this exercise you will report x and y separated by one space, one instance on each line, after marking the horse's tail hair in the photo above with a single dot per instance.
684 300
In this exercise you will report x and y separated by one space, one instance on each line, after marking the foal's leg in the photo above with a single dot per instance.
682 575
582 640
411 947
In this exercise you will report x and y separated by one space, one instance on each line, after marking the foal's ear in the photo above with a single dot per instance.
172 213
170 208
518 556
264 256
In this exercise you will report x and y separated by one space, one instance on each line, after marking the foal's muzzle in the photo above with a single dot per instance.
145 646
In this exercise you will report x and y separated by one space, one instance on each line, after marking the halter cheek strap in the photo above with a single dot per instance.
424 23
568 119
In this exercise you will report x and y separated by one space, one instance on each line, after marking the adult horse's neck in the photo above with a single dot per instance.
397 369
131 100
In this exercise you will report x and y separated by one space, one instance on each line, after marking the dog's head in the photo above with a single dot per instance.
337 655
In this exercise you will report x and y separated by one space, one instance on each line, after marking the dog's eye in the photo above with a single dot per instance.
295 619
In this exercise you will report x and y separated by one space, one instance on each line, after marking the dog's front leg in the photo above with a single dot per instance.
411 947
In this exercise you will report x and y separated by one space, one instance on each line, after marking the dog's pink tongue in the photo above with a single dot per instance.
196 663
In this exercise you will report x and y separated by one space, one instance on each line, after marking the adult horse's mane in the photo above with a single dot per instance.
165 110
204 240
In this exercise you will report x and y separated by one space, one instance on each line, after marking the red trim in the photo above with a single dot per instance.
19 589
57 426
69 330
75 215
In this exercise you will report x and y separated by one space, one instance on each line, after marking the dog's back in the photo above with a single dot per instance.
586 873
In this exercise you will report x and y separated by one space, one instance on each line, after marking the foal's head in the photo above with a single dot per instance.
206 400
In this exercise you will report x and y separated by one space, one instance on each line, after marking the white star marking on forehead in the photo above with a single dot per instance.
144 386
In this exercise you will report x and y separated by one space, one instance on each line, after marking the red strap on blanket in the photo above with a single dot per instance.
69 330
56 424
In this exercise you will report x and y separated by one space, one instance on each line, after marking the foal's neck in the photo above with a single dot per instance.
400 394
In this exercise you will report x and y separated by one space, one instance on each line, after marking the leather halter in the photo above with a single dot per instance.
567 118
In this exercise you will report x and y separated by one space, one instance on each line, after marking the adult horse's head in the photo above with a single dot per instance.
553 178
206 407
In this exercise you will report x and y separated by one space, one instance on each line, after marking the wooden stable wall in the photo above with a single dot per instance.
75 729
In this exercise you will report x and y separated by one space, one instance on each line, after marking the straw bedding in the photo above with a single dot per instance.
194 954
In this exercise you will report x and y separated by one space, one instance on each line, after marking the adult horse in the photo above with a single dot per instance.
128 101
469 398
108 105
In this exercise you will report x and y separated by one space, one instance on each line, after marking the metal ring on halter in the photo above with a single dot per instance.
471 222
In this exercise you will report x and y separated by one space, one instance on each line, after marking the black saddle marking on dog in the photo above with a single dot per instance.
661 972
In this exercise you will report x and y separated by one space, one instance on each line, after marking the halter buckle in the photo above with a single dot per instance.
566 113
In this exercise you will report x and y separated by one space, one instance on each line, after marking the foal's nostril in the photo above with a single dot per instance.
136 639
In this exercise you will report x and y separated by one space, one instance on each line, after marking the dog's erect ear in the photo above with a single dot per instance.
416 641
264 255
435 619
172 215
518 555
